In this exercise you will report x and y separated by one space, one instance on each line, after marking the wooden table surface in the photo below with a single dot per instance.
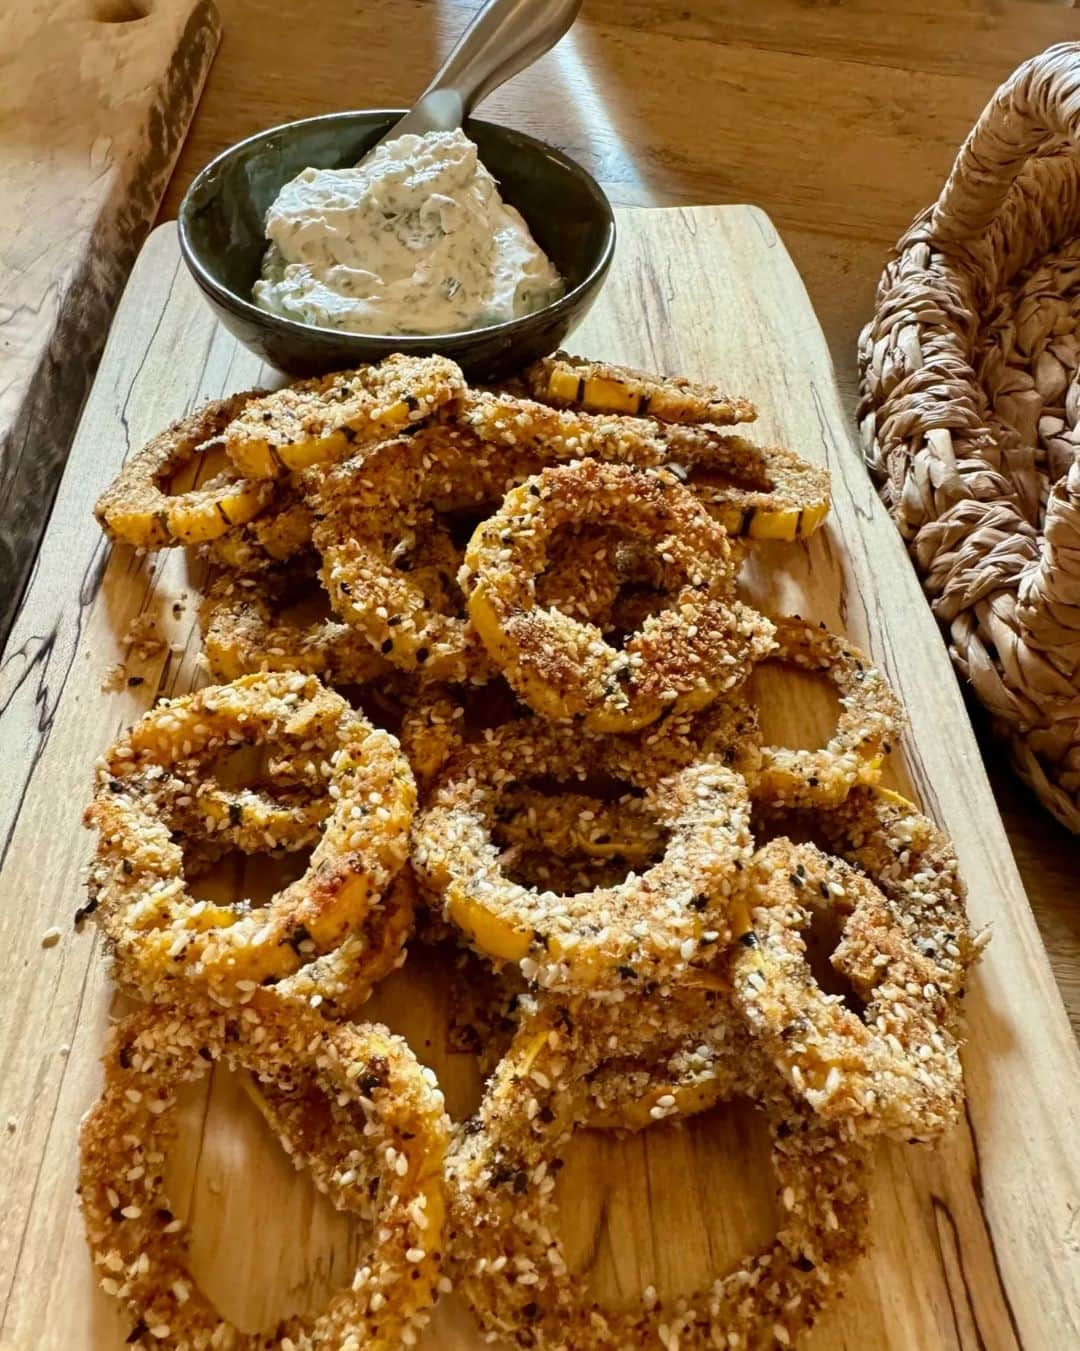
841 120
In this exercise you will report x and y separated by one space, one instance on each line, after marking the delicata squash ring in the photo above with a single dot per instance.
702 643
504 1219
137 882
352 1105
389 562
598 386
137 510
912 863
896 1068
637 930
871 717
243 631
757 492
333 416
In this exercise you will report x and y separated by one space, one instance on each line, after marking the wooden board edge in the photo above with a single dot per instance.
39 439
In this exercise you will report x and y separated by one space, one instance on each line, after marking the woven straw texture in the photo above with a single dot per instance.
970 414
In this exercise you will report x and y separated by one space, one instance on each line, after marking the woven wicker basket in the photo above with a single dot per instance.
971 415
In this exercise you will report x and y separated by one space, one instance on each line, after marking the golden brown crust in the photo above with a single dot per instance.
503 1217
137 509
701 642
349 1102
331 417
362 796
567 381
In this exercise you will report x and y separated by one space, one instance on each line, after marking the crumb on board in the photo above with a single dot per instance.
13 1123
51 937
142 642
114 678
142 638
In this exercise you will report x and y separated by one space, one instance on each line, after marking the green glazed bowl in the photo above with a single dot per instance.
222 240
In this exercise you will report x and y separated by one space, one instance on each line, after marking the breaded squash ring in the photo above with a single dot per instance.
511 1266
701 643
871 718
349 1102
894 1066
567 381
642 928
158 932
755 492
331 417
137 509
243 631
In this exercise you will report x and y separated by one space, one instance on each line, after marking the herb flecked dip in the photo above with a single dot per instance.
414 240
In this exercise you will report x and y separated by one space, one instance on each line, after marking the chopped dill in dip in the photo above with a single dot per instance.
414 240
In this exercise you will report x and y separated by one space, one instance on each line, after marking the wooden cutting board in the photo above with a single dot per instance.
974 1245
95 102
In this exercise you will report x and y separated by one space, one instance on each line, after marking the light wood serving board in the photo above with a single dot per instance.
975 1245
95 101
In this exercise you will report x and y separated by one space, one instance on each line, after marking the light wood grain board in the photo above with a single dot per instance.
857 73
94 103
975 1244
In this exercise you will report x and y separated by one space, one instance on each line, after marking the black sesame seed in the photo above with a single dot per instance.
84 911
299 935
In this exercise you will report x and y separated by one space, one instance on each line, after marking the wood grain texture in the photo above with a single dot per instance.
94 103
794 104
976 1244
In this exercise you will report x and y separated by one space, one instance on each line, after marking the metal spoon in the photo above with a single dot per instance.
504 38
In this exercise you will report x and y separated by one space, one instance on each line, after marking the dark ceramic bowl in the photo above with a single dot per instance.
222 240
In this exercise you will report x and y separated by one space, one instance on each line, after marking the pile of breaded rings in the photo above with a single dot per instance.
484 651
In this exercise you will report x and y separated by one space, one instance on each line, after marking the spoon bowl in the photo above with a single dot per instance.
222 240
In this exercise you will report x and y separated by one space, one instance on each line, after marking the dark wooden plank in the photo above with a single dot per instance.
97 103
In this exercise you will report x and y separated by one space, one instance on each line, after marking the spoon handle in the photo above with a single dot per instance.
504 38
